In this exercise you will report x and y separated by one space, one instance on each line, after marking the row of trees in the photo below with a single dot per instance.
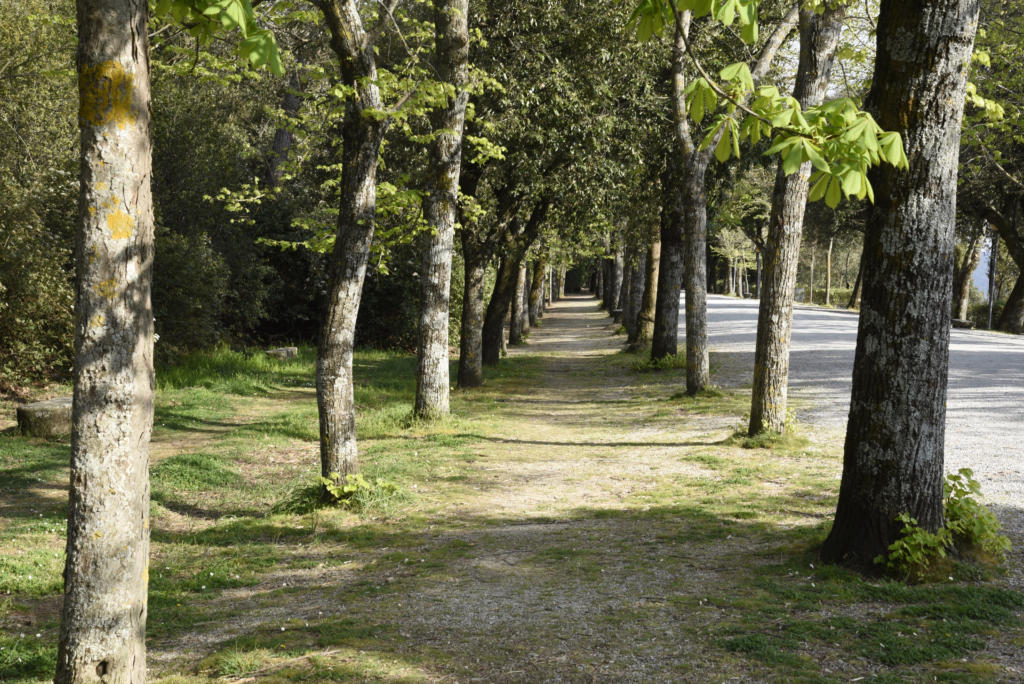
540 134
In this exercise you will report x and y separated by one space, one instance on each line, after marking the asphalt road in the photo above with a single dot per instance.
985 419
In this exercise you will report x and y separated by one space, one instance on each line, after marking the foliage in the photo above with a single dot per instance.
970 529
357 493
840 140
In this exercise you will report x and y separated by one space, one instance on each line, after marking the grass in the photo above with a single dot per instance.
573 520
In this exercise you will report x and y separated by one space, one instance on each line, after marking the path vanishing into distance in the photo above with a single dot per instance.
985 420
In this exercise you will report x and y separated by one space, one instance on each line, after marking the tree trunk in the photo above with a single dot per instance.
515 326
618 278
810 284
665 327
1011 319
451 40
494 320
471 372
828 272
694 199
730 278
561 283
103 619
283 136
893 461
648 306
362 136
964 273
536 297
635 296
854 302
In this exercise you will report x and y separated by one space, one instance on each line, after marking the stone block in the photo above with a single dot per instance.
284 353
51 418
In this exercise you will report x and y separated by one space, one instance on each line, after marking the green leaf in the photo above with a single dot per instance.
819 187
852 182
834 193
749 33
722 150
814 156
794 158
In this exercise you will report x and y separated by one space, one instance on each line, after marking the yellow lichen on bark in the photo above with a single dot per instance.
121 224
105 92
107 289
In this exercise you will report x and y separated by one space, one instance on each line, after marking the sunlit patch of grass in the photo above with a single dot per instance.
244 373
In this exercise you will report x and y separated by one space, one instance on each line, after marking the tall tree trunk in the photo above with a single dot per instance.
451 39
665 326
1011 319
694 199
730 277
893 461
283 136
828 272
536 298
964 273
362 136
618 278
854 302
103 619
501 299
648 305
471 373
810 278
515 326
561 282
634 295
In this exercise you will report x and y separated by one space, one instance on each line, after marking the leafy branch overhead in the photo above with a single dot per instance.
840 140
204 18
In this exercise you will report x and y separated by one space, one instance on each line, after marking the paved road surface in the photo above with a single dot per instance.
985 422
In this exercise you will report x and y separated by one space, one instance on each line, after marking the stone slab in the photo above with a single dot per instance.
51 418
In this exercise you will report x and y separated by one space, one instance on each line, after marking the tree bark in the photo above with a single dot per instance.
518 241
648 307
819 38
665 326
964 272
362 136
618 277
451 39
828 271
536 298
103 619
854 302
283 136
635 295
515 326
694 200
471 372
893 460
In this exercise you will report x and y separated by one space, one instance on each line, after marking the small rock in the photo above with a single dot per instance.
50 418
960 323
284 352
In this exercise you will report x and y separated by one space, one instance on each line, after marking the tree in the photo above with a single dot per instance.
686 213
819 38
103 621
361 136
451 19
893 459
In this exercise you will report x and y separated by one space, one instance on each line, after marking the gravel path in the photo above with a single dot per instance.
985 422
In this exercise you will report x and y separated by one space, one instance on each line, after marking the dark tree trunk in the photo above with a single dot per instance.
471 373
518 241
893 461
561 283
964 272
854 302
103 619
634 296
283 136
536 299
494 320
1012 317
694 201
665 329
515 325
819 38
648 306
451 40
362 136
